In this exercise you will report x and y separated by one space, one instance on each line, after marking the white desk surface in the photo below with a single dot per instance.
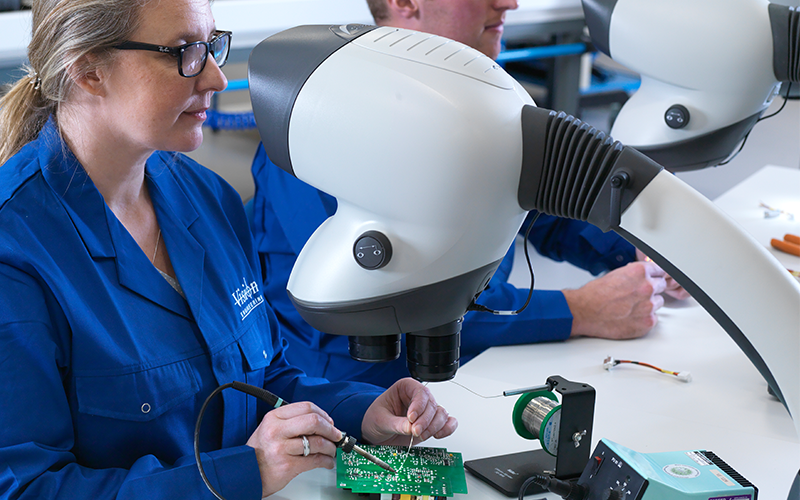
253 20
725 409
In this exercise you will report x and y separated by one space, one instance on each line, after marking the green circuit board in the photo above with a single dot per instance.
432 472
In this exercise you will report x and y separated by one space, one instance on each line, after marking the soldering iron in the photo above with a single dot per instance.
347 443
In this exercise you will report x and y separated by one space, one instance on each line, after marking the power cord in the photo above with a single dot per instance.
346 443
479 307
741 146
785 100
252 390
567 490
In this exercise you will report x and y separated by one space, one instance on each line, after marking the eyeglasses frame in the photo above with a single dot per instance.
178 51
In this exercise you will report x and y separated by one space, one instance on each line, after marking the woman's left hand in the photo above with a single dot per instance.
406 408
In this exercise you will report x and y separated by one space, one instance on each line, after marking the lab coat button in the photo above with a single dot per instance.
264 353
146 408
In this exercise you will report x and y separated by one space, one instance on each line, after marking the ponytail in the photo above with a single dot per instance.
64 32
23 113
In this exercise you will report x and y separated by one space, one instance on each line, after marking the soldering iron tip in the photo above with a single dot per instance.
385 465
372 458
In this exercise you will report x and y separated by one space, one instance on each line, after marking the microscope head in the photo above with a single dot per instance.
709 69
418 137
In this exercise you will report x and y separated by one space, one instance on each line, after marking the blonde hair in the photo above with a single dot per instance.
64 32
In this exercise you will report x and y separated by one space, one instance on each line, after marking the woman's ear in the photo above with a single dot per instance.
88 74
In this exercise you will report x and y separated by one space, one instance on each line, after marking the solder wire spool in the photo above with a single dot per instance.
537 415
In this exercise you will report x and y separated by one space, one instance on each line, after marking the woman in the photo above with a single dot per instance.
129 285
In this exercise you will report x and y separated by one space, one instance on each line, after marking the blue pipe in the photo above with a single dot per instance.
236 85
567 49
544 52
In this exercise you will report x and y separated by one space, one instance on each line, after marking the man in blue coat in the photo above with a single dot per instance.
620 304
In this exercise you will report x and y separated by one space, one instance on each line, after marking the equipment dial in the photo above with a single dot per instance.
611 495
618 491
372 250
677 116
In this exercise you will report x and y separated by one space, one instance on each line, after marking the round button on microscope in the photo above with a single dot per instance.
372 250
677 116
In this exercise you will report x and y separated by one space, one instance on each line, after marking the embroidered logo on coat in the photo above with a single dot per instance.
247 298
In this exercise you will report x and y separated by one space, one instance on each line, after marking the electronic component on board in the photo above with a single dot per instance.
424 472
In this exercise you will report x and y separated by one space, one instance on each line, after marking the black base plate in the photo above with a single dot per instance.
506 473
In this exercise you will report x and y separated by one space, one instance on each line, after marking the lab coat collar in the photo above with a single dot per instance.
176 214
105 237
82 201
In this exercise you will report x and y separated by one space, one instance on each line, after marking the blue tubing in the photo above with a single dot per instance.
236 85
217 120
544 52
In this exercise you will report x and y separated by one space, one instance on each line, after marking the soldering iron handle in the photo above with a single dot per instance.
347 443
259 393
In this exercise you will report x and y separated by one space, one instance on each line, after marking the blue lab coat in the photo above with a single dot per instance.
286 211
104 366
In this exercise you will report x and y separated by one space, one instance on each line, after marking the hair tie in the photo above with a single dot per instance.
35 81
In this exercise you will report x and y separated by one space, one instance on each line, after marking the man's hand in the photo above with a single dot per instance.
674 290
619 305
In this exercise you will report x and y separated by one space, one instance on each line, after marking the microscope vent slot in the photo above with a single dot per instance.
785 21
577 161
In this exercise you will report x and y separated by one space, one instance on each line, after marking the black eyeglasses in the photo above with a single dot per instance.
191 56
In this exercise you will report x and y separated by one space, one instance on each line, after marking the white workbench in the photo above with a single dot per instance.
725 409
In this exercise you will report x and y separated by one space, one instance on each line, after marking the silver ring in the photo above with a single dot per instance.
306 447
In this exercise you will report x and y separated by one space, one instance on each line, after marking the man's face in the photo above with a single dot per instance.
477 23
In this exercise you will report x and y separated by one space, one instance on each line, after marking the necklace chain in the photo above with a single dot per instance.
155 252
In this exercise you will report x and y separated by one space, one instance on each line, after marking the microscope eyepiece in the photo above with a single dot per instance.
433 354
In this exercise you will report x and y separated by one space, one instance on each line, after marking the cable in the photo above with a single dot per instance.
346 443
610 363
197 440
734 155
741 146
252 390
524 487
565 489
479 307
785 100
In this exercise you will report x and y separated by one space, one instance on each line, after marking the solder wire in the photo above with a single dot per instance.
410 444
408 452
473 392
541 416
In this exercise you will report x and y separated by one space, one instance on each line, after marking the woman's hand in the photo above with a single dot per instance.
278 441
406 408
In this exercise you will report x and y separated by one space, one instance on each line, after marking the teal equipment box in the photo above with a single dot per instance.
616 472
